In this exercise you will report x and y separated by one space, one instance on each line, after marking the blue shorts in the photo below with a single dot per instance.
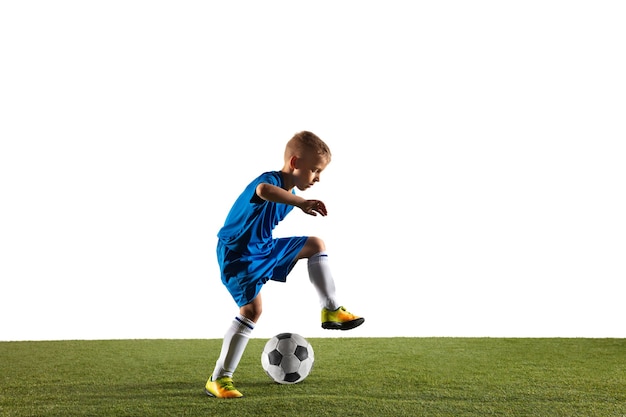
244 275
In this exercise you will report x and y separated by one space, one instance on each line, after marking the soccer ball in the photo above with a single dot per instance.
287 358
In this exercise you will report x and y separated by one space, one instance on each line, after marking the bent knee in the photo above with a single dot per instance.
312 246
317 244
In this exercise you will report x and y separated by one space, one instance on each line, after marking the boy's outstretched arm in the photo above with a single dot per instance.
276 194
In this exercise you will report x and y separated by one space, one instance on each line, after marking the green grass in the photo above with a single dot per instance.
351 377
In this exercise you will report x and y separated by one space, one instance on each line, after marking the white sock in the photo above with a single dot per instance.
233 346
322 280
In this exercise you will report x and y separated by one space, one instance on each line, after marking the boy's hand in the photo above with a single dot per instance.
312 207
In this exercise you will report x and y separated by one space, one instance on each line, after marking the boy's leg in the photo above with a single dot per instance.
322 280
333 316
234 344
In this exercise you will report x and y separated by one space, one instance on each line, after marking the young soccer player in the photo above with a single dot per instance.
249 256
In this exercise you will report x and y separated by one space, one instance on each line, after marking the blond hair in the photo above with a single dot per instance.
306 142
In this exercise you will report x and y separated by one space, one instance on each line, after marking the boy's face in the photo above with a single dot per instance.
307 170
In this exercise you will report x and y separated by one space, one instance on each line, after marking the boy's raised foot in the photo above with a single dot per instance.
221 388
340 319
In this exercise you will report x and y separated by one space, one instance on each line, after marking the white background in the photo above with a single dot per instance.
477 186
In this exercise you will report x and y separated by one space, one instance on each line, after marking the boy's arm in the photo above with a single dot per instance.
276 194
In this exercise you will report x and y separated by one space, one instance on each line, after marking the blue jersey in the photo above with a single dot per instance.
251 220
247 253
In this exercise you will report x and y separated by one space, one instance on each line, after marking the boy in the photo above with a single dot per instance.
249 256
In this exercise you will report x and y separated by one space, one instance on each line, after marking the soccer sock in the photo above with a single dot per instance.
235 341
322 280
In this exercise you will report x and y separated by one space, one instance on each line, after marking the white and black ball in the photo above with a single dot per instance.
287 358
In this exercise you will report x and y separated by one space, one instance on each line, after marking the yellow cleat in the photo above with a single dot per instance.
340 319
221 388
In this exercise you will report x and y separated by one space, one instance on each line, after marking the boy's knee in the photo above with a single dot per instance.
316 245
251 312
251 315
312 246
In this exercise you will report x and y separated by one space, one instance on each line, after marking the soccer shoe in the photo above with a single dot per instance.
340 319
221 388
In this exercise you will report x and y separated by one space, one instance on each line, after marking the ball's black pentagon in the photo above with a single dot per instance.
275 357
301 352
292 377
283 336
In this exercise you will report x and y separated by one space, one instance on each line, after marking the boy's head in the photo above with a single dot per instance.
306 156
307 144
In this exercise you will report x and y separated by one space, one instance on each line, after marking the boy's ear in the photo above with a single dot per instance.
293 162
